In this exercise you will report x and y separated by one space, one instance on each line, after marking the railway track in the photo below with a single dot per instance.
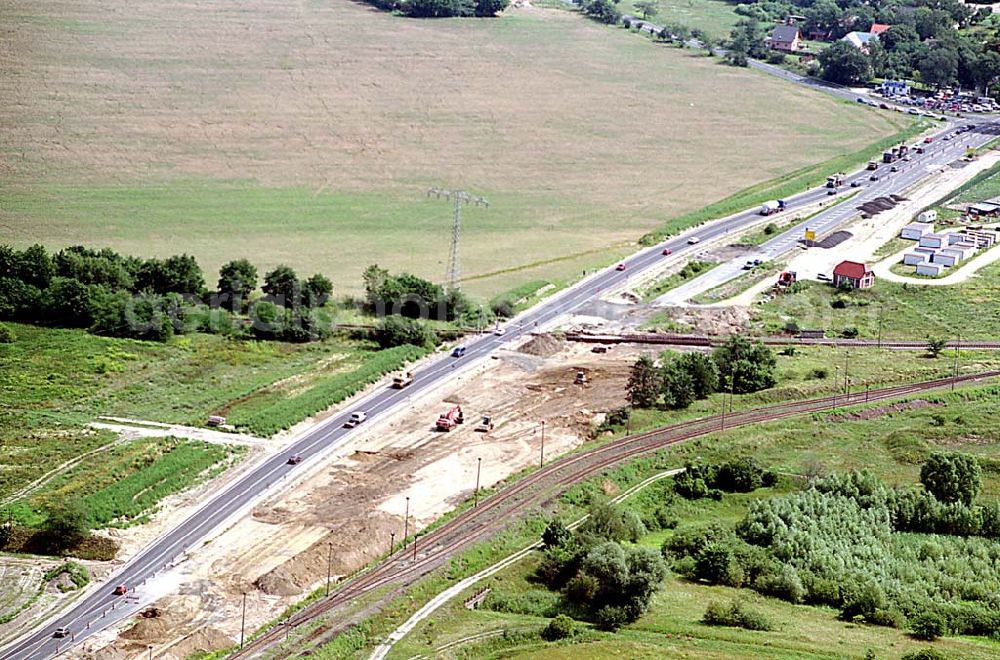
526 494
665 339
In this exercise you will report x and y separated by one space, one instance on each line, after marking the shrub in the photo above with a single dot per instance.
739 475
560 627
839 302
611 618
819 373
7 335
717 565
925 654
929 626
771 228
735 615
556 535
784 584
850 332
788 351
952 477
582 589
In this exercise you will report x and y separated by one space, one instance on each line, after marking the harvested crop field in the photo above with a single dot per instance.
287 131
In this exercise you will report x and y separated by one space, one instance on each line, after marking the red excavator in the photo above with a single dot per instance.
449 420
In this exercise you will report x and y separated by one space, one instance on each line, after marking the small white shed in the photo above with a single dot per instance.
933 240
932 270
915 230
927 216
914 258
945 258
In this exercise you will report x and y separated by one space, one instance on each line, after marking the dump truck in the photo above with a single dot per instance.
449 420
485 425
401 380
873 165
835 180
772 207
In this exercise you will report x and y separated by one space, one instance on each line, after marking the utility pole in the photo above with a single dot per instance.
628 422
243 620
329 561
458 197
406 521
847 382
479 467
392 543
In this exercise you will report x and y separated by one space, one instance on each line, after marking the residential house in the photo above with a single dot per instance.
785 38
878 28
853 274
895 88
859 40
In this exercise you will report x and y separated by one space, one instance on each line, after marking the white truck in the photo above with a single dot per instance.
772 207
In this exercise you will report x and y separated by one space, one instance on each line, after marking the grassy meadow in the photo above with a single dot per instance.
968 309
164 129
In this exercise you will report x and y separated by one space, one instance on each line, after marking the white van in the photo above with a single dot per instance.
356 418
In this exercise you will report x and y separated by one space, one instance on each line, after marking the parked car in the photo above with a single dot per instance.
61 632
823 276
121 590
748 265
294 459
458 352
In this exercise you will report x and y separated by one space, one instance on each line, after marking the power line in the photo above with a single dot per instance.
458 197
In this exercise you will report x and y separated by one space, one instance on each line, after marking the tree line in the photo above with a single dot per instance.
125 296
739 366
442 8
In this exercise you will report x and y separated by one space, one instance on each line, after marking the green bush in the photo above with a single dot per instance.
560 627
735 615
925 654
611 618
929 626
7 334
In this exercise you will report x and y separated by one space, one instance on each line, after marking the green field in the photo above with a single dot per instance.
715 17
969 309
165 130
53 382
891 443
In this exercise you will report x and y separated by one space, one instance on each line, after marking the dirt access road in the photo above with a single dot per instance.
351 508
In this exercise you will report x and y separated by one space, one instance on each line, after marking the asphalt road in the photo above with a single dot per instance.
99 608
938 154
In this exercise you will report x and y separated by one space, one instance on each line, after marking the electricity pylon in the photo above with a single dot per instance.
459 197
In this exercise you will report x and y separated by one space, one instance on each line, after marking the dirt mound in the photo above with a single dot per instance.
147 630
278 583
542 346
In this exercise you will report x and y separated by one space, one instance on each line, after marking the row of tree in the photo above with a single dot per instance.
442 8
126 296
739 366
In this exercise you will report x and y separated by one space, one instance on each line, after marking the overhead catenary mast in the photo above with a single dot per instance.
458 197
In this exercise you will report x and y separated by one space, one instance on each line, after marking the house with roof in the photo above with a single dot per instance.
860 40
785 38
853 274
878 28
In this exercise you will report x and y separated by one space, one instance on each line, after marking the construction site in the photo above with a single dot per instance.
394 479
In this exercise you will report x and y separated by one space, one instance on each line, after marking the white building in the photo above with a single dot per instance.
928 216
914 258
945 258
915 230
932 270
933 240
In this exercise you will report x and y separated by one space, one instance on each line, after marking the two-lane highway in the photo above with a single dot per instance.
100 608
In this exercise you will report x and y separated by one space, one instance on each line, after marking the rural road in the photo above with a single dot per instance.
938 154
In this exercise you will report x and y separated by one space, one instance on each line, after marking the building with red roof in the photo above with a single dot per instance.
878 28
853 274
